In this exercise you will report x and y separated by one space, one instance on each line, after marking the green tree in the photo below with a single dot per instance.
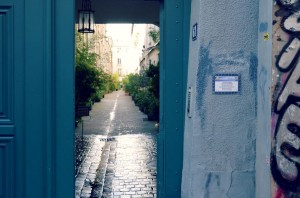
144 89
91 83
154 34
115 80
132 83
153 75
83 55
87 83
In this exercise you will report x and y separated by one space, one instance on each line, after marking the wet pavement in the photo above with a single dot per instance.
117 157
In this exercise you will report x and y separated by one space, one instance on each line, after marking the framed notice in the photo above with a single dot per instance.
195 32
226 84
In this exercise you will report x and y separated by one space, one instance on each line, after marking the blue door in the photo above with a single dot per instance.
36 98
11 109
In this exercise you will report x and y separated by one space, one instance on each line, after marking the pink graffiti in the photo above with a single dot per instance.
279 193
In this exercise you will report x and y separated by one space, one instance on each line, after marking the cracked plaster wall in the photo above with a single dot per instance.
220 136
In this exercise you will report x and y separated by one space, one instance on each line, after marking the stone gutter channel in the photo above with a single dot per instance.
90 178
98 185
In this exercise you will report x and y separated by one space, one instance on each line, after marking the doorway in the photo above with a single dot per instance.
116 141
173 19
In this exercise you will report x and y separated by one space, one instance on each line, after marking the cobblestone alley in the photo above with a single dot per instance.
117 156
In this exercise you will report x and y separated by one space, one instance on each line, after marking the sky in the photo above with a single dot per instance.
119 31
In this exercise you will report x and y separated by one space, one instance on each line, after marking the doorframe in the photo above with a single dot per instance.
63 17
175 30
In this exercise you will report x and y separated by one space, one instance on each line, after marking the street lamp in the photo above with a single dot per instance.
86 21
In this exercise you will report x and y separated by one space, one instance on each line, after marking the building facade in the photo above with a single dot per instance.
120 52
151 47
103 48
221 113
127 47
240 136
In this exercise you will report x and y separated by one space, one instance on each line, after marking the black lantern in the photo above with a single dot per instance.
86 21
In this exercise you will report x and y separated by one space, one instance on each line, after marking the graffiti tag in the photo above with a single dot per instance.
285 154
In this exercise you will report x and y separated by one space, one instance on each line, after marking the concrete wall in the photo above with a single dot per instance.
285 97
264 74
220 132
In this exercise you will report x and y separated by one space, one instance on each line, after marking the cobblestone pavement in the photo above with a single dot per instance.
118 159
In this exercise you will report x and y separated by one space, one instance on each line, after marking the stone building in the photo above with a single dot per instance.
150 48
103 47
127 47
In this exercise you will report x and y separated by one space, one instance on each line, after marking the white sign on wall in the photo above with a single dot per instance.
226 83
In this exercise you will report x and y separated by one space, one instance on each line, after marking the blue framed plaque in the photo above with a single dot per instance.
226 83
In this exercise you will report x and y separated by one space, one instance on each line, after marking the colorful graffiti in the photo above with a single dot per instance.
285 153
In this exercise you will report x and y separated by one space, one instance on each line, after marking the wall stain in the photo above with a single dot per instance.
234 59
211 179
204 71
263 27
263 80
253 76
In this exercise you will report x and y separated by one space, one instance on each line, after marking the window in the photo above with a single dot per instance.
119 61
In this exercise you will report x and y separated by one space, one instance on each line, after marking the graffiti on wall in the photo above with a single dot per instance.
285 153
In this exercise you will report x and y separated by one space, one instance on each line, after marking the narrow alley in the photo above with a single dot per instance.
116 156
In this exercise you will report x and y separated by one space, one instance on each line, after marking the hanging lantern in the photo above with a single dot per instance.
86 21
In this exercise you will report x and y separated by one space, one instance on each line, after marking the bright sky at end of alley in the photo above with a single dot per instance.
127 44
119 31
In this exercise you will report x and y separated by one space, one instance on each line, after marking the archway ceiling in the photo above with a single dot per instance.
124 11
